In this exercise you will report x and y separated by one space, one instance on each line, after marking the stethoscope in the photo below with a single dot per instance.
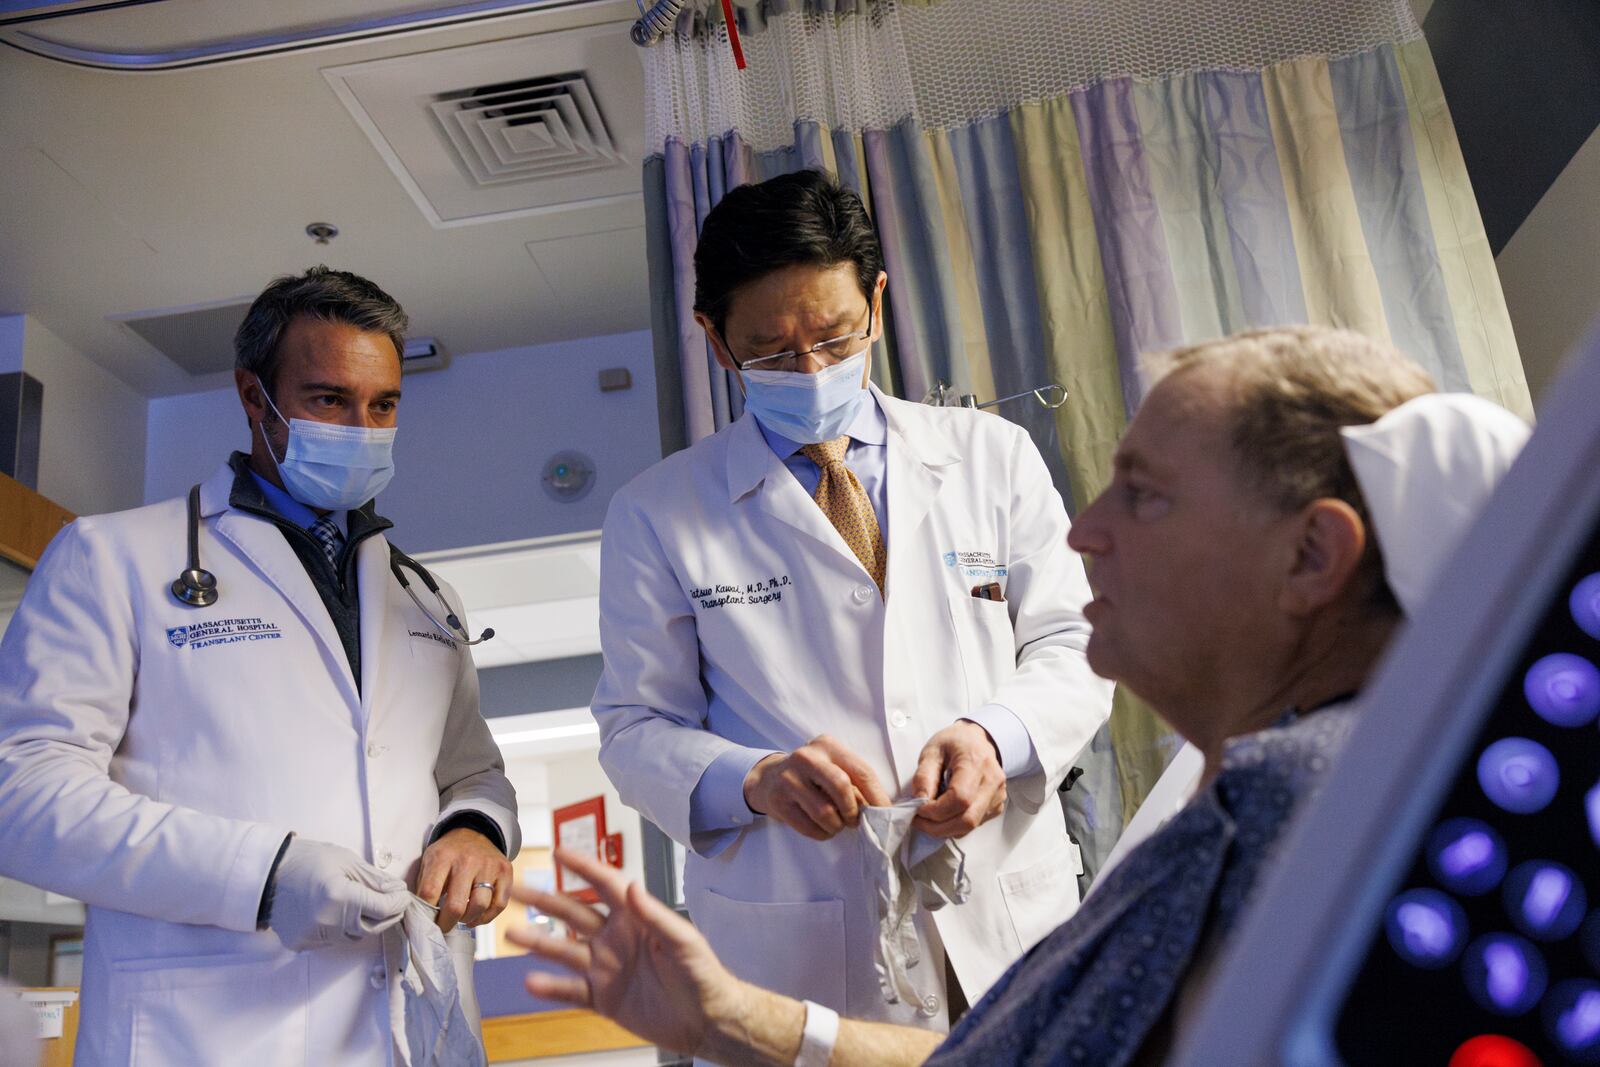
196 587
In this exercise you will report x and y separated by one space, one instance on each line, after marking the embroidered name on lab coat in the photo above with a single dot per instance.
436 638
765 591
223 632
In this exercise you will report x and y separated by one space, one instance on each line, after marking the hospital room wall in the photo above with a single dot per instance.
1547 271
12 333
92 434
546 780
473 440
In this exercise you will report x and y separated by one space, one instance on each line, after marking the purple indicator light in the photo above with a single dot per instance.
1519 775
1470 854
1547 894
1564 689
1546 900
1591 807
1580 1024
1572 1017
1466 856
1426 928
1585 605
1504 974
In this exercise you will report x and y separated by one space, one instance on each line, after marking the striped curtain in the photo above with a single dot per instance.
1063 186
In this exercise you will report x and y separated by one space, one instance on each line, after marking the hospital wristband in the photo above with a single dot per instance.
817 1038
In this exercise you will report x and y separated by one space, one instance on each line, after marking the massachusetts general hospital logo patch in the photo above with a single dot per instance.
223 632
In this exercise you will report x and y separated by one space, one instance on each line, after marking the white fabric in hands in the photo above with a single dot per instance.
909 871
324 892
426 1009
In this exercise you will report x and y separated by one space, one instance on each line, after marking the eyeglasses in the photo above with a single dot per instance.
833 351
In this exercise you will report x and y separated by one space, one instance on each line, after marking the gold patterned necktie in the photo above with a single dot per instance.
840 496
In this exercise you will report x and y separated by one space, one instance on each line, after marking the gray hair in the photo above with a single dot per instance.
1290 391
319 293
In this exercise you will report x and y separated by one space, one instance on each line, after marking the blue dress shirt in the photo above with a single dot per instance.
296 512
717 803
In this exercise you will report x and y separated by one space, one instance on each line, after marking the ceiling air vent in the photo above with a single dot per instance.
509 128
527 130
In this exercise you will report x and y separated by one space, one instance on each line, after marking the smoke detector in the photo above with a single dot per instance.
568 476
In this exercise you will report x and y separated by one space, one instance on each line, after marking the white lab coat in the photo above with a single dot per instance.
816 651
153 772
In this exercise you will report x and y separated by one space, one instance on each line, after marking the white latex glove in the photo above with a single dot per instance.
325 892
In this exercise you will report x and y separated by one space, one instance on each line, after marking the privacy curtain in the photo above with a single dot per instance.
1063 185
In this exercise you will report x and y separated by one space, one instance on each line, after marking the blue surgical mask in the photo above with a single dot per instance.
808 408
333 468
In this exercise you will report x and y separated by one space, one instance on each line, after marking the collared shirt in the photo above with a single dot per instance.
717 803
290 508
867 458
336 584
341 601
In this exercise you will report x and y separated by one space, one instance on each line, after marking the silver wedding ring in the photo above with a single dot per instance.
483 885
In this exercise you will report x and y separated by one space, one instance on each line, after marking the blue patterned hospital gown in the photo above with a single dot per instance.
1092 992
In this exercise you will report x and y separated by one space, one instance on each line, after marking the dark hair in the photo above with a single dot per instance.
320 293
801 218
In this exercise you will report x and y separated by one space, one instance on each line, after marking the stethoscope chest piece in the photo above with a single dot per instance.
195 586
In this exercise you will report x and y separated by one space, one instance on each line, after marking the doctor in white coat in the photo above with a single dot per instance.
244 792
788 636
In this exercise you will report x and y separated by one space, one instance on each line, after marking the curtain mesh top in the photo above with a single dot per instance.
949 63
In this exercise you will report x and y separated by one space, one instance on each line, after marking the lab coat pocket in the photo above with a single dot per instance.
1041 896
173 999
986 643
796 949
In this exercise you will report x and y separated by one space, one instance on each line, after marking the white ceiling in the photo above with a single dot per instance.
541 597
133 192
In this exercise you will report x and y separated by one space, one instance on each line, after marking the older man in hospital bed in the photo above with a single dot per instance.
1278 502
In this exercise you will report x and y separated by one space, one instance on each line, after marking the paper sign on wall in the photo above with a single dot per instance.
580 827
49 1009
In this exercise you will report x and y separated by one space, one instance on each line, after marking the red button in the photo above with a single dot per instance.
1492 1050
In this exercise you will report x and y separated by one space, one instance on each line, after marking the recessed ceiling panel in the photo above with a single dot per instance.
199 339
508 128
541 598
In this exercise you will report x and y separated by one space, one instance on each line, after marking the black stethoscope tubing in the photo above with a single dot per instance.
196 587
398 559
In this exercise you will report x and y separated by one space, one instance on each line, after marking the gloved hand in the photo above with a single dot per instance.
324 892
